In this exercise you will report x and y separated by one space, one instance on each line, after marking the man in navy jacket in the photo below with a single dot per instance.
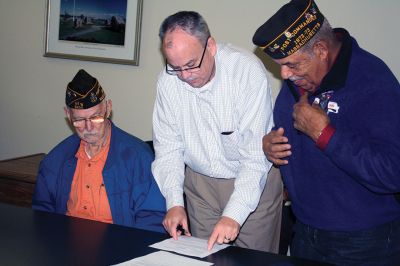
336 139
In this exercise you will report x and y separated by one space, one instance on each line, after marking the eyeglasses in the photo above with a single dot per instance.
176 71
97 119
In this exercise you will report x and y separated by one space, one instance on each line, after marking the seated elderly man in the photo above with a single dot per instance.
101 172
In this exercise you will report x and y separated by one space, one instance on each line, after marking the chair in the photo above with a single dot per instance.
150 143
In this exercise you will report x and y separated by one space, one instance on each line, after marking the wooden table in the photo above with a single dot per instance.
18 178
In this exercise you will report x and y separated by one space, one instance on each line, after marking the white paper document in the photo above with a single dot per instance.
188 245
162 258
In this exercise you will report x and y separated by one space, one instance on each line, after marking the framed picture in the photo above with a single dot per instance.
94 30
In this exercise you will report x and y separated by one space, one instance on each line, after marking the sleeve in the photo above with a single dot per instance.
43 198
368 149
255 116
149 206
168 166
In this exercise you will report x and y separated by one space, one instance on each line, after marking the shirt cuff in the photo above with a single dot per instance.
237 213
324 138
174 199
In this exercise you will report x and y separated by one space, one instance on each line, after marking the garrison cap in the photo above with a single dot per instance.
84 91
289 29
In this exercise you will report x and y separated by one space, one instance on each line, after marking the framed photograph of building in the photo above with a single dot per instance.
93 30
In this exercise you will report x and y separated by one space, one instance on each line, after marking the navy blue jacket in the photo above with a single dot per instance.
351 184
133 194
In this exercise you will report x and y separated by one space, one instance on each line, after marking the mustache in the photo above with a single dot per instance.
188 79
89 134
294 78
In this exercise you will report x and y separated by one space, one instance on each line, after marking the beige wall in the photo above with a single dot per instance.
32 86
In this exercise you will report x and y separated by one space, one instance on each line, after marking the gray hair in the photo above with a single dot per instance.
189 21
325 33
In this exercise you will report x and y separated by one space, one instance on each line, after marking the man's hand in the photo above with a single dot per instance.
176 216
276 147
309 119
225 231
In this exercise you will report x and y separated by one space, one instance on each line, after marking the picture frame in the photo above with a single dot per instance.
102 31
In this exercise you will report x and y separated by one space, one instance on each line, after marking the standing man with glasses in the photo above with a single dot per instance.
100 173
212 108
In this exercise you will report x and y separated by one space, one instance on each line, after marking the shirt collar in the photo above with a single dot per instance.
102 155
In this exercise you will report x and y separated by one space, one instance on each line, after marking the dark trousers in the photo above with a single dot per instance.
288 220
376 246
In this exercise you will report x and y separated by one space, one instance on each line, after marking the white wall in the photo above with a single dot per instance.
32 87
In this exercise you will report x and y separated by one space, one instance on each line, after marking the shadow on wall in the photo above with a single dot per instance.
269 64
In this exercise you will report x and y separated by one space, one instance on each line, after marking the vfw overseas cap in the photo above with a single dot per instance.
289 29
84 91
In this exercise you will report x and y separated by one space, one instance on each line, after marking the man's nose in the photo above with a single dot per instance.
185 74
88 125
285 72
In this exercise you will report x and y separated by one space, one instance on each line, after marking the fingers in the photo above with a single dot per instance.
277 136
316 105
171 228
276 147
277 161
211 241
304 98
185 228
274 137
225 231
303 101
309 119
278 152
227 240
279 132
218 237
175 222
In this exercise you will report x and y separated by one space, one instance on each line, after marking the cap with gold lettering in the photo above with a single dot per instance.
289 29
84 91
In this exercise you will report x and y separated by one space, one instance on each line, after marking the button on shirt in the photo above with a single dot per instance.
216 130
88 197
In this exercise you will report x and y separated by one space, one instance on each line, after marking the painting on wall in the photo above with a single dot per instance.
94 30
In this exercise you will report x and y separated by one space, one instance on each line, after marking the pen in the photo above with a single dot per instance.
180 228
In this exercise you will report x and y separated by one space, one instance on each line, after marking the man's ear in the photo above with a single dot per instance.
109 107
67 113
212 46
321 49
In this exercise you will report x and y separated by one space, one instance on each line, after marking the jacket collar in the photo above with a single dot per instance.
336 78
